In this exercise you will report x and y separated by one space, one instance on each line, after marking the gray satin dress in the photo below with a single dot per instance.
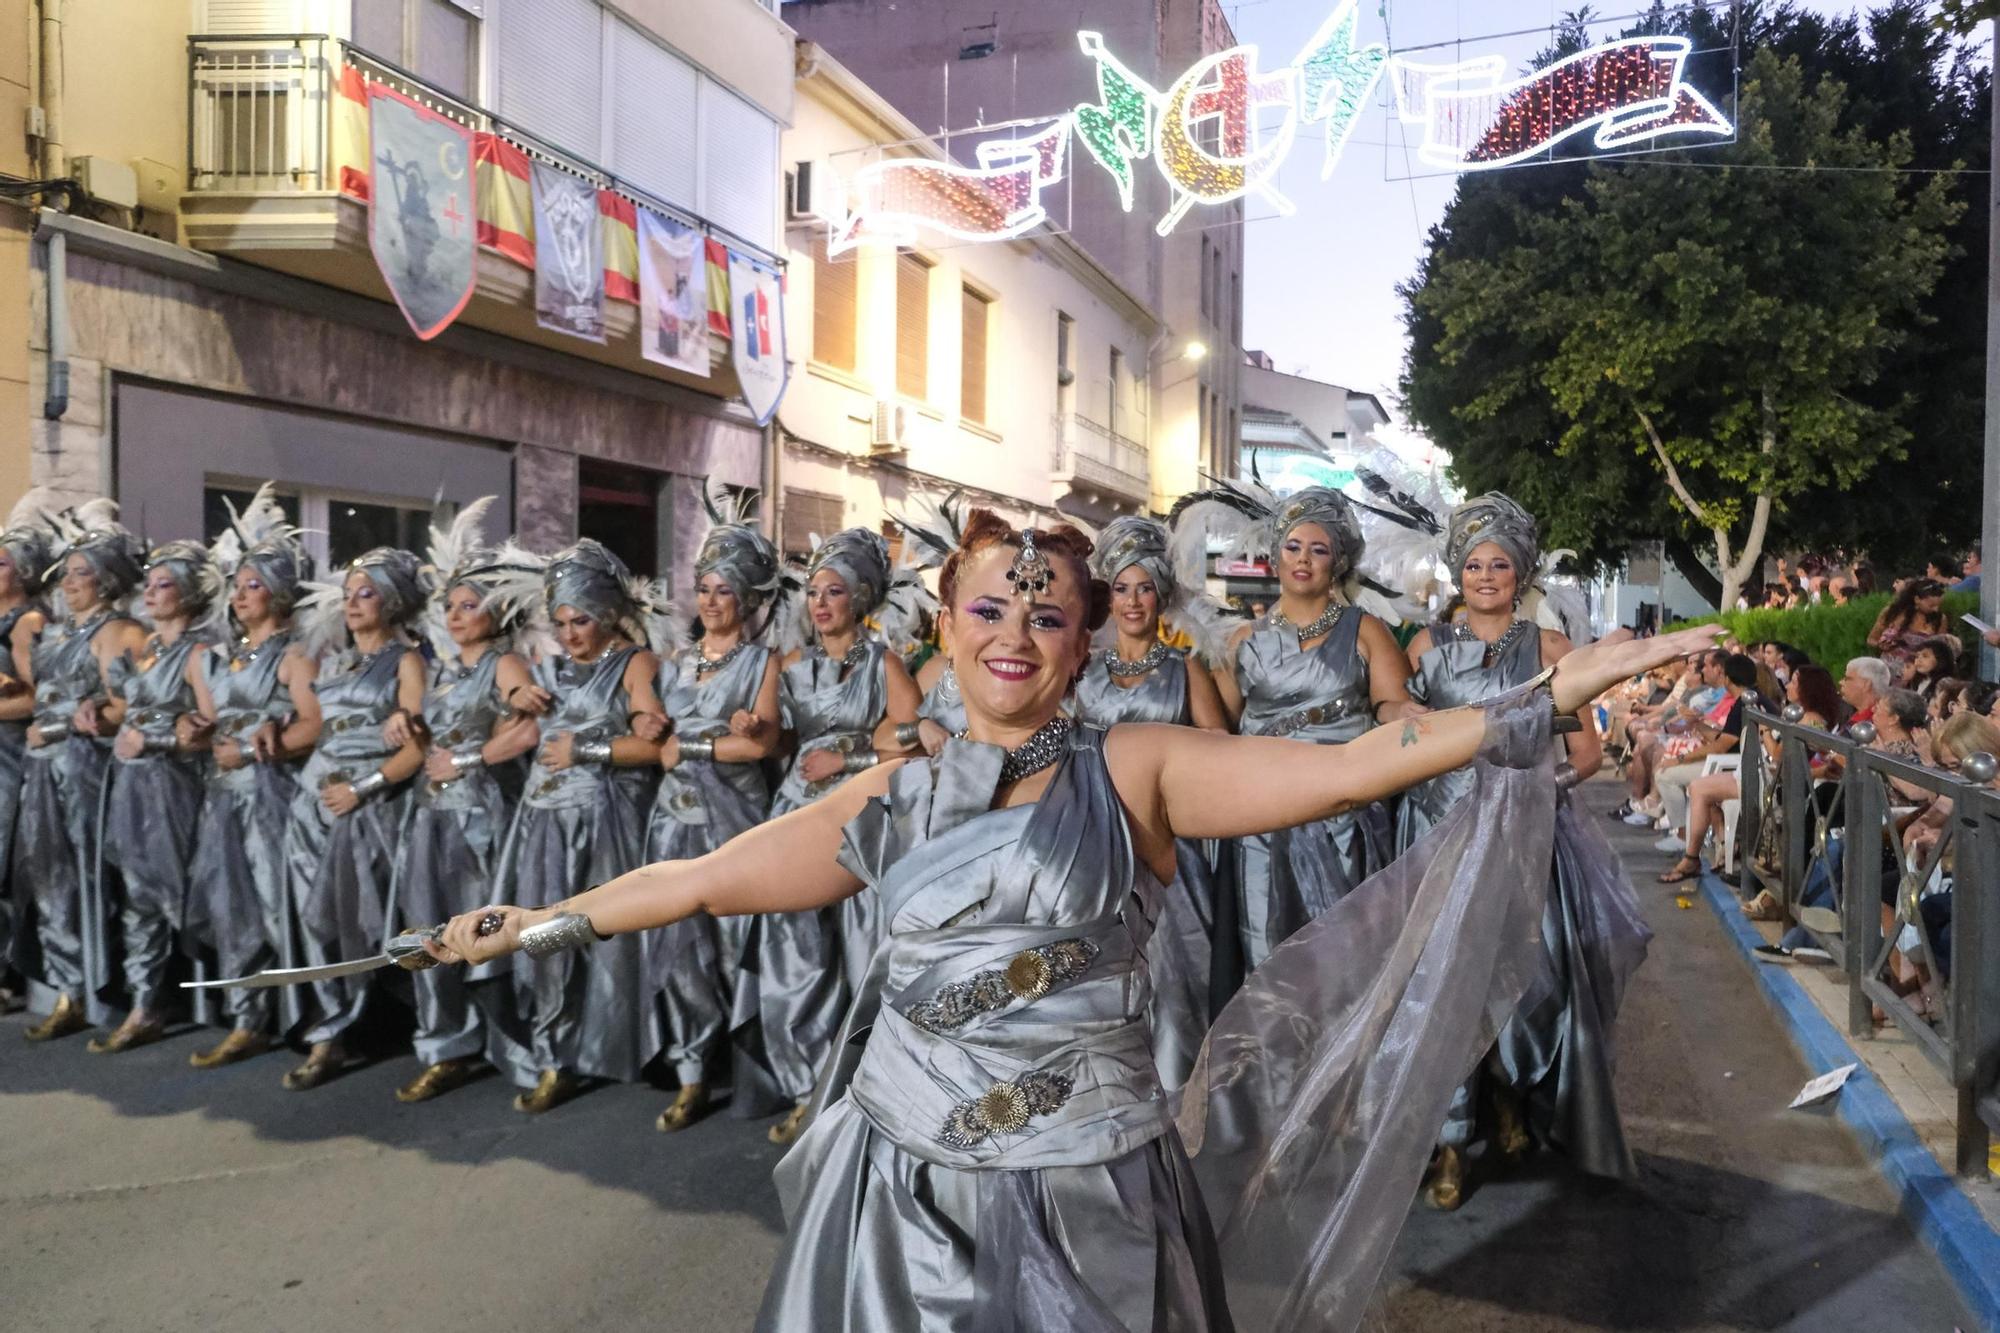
15 914
943 704
991 1152
150 816
55 840
701 805
450 846
338 868
797 985
1320 695
1184 935
1556 1050
239 856
591 1010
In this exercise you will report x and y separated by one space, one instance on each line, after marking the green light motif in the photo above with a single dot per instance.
1118 130
1336 78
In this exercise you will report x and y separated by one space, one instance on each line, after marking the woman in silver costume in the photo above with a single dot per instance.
340 850
992 1149
154 802
69 753
929 538
848 704
477 721
244 692
1140 679
582 821
1318 668
25 555
1554 1056
722 700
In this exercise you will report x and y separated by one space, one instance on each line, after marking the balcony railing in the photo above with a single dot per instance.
1091 455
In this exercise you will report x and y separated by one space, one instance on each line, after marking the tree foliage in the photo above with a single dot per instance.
1593 337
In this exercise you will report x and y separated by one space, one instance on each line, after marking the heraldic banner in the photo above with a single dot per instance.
758 315
673 294
420 212
569 254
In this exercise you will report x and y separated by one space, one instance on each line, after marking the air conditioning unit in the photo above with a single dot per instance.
890 434
799 201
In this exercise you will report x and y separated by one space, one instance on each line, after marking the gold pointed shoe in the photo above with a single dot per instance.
687 1108
788 1129
1444 1187
66 1018
552 1089
240 1044
129 1036
1510 1129
442 1077
320 1067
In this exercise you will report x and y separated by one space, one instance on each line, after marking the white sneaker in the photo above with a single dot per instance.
1671 844
1638 819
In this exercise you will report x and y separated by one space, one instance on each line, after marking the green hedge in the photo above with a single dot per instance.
1830 634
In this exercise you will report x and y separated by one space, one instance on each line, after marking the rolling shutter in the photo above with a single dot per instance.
653 94
975 310
913 327
549 70
739 165
833 307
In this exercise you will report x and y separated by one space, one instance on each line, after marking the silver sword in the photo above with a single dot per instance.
405 951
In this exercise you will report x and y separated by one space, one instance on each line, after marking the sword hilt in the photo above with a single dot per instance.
407 949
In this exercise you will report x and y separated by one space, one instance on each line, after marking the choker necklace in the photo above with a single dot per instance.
705 666
1326 621
1037 752
1498 648
848 658
1139 665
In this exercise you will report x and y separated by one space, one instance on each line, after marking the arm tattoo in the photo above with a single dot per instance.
1409 732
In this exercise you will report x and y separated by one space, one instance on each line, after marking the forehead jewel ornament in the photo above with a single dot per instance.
1031 571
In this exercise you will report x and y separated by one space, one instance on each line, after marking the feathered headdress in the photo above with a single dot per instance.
92 530
933 532
590 578
30 537
1148 543
508 580
263 538
199 580
319 623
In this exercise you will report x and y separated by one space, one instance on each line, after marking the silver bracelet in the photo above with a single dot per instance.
592 752
1567 776
909 735
569 930
368 784
698 750
159 745
860 762
467 760
54 731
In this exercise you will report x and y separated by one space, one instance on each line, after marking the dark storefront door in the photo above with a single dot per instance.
620 506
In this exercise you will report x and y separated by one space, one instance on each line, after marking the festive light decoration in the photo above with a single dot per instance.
886 201
1631 91
1205 135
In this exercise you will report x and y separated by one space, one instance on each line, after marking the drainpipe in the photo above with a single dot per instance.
55 160
56 399
54 166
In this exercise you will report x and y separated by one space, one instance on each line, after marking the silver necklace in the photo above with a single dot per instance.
1139 665
848 658
708 666
1037 752
1326 621
1498 648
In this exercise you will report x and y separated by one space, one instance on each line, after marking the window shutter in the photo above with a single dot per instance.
833 307
975 310
808 513
447 43
913 327
652 97
739 165
549 69
254 17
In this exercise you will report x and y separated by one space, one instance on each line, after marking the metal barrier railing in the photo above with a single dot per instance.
1843 836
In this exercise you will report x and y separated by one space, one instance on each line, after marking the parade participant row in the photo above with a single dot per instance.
259 770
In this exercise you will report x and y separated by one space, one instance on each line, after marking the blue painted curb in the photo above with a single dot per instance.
1945 1219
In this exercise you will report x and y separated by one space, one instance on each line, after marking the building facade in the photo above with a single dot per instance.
1308 430
209 296
961 72
1008 369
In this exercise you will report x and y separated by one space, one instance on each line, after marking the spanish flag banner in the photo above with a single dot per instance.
718 287
620 219
506 208
350 134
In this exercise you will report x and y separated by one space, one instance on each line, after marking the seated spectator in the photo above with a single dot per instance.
1915 615
1739 678
1843 592
1956 740
1934 660
1864 580
1943 569
1970 583
1669 730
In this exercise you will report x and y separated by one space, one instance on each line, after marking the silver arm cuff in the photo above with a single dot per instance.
368 784
592 752
161 745
698 750
570 930
860 762
466 760
909 735
54 731
1567 776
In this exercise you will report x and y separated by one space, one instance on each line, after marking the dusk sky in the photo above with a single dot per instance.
1320 285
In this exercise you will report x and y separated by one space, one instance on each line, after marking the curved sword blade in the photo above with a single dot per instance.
410 946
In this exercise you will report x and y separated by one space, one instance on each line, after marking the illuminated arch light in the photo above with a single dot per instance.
886 202
1631 92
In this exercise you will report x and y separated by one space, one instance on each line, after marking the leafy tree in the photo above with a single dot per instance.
1566 315
1964 16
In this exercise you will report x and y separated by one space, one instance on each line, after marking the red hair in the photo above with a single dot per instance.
985 529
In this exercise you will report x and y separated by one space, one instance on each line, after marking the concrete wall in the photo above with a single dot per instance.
1321 406
125 80
15 99
739 42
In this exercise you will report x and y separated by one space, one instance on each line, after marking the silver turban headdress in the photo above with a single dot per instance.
262 538
506 579
1135 540
92 531
736 550
398 576
861 558
1494 518
29 540
1249 522
194 573
588 577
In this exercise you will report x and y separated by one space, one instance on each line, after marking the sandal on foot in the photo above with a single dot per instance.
1687 868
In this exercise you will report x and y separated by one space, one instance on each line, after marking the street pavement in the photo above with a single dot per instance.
139 1194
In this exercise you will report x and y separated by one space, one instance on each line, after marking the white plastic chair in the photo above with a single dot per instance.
1731 808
